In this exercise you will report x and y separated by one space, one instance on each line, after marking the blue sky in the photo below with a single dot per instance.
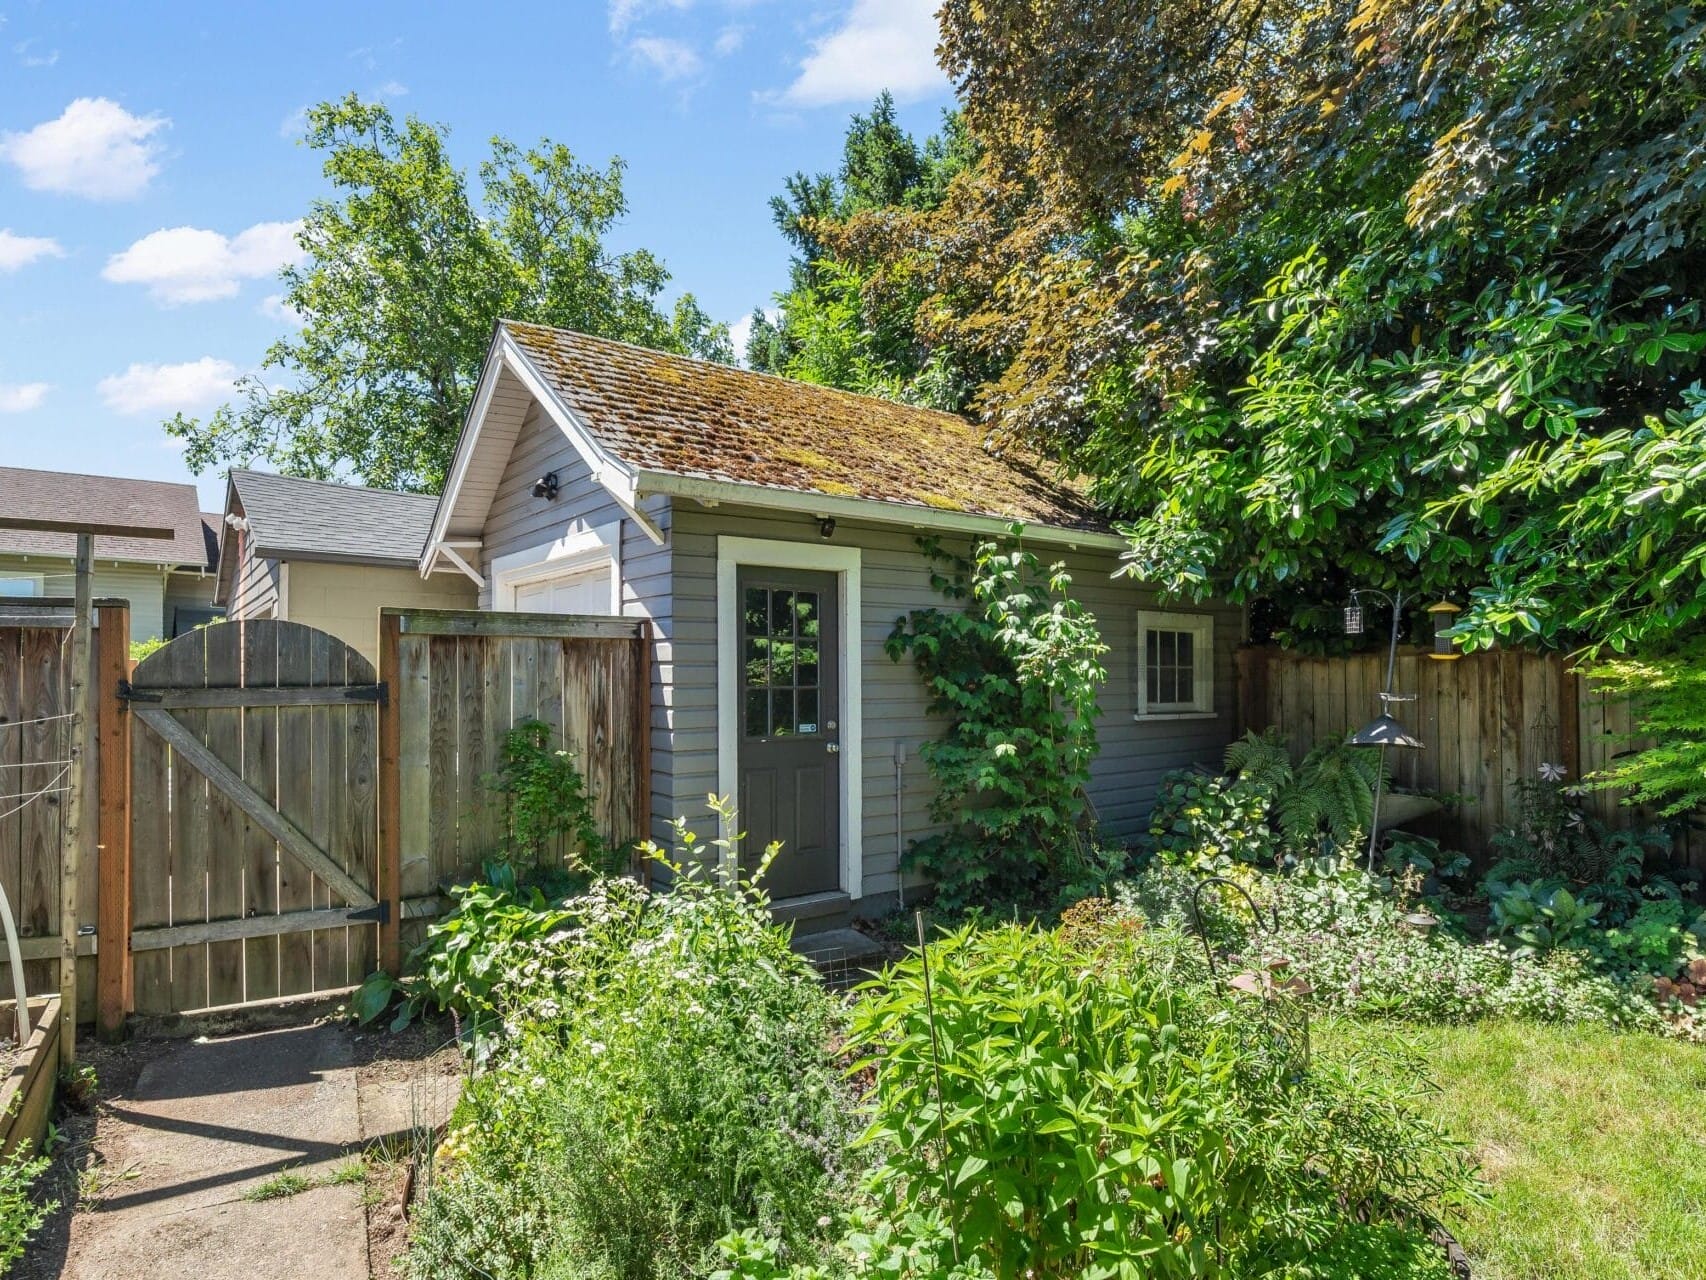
149 168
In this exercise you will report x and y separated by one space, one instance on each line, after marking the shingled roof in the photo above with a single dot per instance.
666 413
295 519
142 503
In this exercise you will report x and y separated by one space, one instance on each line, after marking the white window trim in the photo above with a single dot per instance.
577 551
1201 626
845 563
39 579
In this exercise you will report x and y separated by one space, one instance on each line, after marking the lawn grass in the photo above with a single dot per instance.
1593 1146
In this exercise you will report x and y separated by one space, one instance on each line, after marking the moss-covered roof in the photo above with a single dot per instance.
661 412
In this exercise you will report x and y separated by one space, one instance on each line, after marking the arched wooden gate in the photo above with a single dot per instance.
254 816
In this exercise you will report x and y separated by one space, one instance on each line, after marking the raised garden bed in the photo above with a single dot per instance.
26 1096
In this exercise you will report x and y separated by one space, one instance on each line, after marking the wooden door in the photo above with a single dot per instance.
790 776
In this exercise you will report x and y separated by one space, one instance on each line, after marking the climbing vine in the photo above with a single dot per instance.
1015 664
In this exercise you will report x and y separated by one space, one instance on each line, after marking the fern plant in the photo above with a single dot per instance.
1327 800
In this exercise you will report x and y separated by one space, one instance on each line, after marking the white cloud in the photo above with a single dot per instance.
624 13
274 307
883 44
167 388
95 149
188 264
19 251
30 54
391 89
671 59
728 41
294 125
21 397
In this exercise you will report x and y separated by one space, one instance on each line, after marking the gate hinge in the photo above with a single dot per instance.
127 692
378 913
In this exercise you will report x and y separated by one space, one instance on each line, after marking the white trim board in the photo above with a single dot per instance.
845 563
574 552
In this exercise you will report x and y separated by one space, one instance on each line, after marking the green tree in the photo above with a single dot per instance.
406 273
1362 293
843 321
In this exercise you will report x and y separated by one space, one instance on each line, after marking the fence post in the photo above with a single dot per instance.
112 836
389 888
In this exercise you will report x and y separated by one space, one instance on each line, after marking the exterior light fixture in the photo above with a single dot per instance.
1444 616
546 486
826 527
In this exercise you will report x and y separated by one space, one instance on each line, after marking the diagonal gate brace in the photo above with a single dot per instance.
253 804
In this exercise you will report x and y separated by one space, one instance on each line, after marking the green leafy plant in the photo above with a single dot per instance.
1265 808
1204 820
545 797
1094 1115
1662 935
488 955
1666 765
1015 667
20 1214
683 1085
1554 835
1539 917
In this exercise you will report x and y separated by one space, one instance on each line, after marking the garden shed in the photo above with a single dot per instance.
769 531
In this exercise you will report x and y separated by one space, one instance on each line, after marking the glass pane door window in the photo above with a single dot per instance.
780 662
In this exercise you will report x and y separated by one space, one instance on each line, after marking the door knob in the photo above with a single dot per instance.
834 748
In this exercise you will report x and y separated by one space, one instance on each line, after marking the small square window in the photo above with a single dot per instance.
1177 654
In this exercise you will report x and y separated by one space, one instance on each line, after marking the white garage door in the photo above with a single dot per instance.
577 591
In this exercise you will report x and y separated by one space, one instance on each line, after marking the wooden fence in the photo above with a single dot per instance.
35 705
459 681
1487 720
263 802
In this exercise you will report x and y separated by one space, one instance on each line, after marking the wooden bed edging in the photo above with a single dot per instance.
26 1095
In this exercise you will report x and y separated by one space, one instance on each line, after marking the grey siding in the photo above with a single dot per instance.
254 593
1135 753
518 521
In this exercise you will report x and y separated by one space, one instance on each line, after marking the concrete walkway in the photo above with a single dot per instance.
208 1121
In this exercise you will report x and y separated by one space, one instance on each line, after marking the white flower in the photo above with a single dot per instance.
1552 772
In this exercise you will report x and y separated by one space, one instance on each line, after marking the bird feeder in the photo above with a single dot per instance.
1444 617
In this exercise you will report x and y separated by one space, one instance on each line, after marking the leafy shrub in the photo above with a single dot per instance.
1538 916
1364 951
1554 836
1263 809
1204 820
1100 1117
20 1215
1016 671
683 1086
545 798
497 952
1325 803
1659 938
1668 703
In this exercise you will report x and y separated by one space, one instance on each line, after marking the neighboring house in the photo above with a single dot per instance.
168 582
592 476
328 555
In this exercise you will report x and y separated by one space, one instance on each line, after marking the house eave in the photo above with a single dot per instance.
908 514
